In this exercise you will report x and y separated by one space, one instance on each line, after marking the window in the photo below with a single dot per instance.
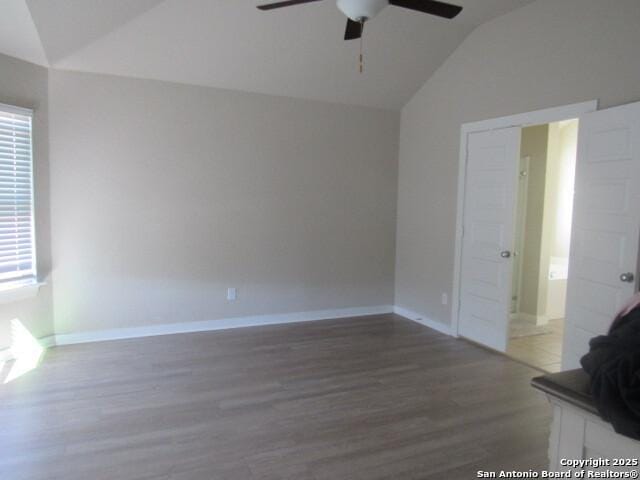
17 245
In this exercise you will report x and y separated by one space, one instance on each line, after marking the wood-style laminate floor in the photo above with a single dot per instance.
375 397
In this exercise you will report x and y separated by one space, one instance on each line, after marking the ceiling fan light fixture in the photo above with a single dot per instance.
361 10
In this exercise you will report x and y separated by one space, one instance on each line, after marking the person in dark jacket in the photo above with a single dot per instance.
613 364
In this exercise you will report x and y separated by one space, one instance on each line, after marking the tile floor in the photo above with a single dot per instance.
542 351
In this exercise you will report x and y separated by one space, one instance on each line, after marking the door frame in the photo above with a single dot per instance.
537 117
521 217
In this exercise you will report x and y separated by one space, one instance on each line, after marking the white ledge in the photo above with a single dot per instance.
18 291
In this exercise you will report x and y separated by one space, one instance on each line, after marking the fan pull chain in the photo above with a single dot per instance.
361 42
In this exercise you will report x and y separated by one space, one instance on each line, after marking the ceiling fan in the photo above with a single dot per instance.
360 11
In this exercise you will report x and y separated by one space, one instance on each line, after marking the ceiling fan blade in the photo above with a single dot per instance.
432 7
287 3
354 30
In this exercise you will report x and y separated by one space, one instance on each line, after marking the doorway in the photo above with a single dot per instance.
489 166
544 207
605 253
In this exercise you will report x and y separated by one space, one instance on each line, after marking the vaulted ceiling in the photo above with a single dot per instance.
297 51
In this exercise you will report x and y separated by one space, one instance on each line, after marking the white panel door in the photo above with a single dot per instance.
606 222
488 236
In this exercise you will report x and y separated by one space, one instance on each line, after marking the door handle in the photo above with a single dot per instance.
505 254
627 277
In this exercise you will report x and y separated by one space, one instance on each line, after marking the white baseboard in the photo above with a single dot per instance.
211 325
534 319
47 342
423 320
238 322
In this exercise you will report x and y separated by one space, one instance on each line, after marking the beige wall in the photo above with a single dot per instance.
25 85
552 150
558 209
560 180
546 54
534 145
165 195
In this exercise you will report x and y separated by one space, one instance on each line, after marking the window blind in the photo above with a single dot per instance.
17 246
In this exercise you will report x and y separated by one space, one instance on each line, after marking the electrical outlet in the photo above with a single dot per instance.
232 294
445 299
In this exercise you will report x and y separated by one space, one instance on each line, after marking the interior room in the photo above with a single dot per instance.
546 181
318 239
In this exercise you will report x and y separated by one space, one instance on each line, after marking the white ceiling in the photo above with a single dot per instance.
297 51
18 35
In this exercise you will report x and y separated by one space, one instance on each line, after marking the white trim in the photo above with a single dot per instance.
521 222
27 112
47 342
537 117
18 291
422 320
528 317
533 319
221 324
18 276
238 322
34 247
5 355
